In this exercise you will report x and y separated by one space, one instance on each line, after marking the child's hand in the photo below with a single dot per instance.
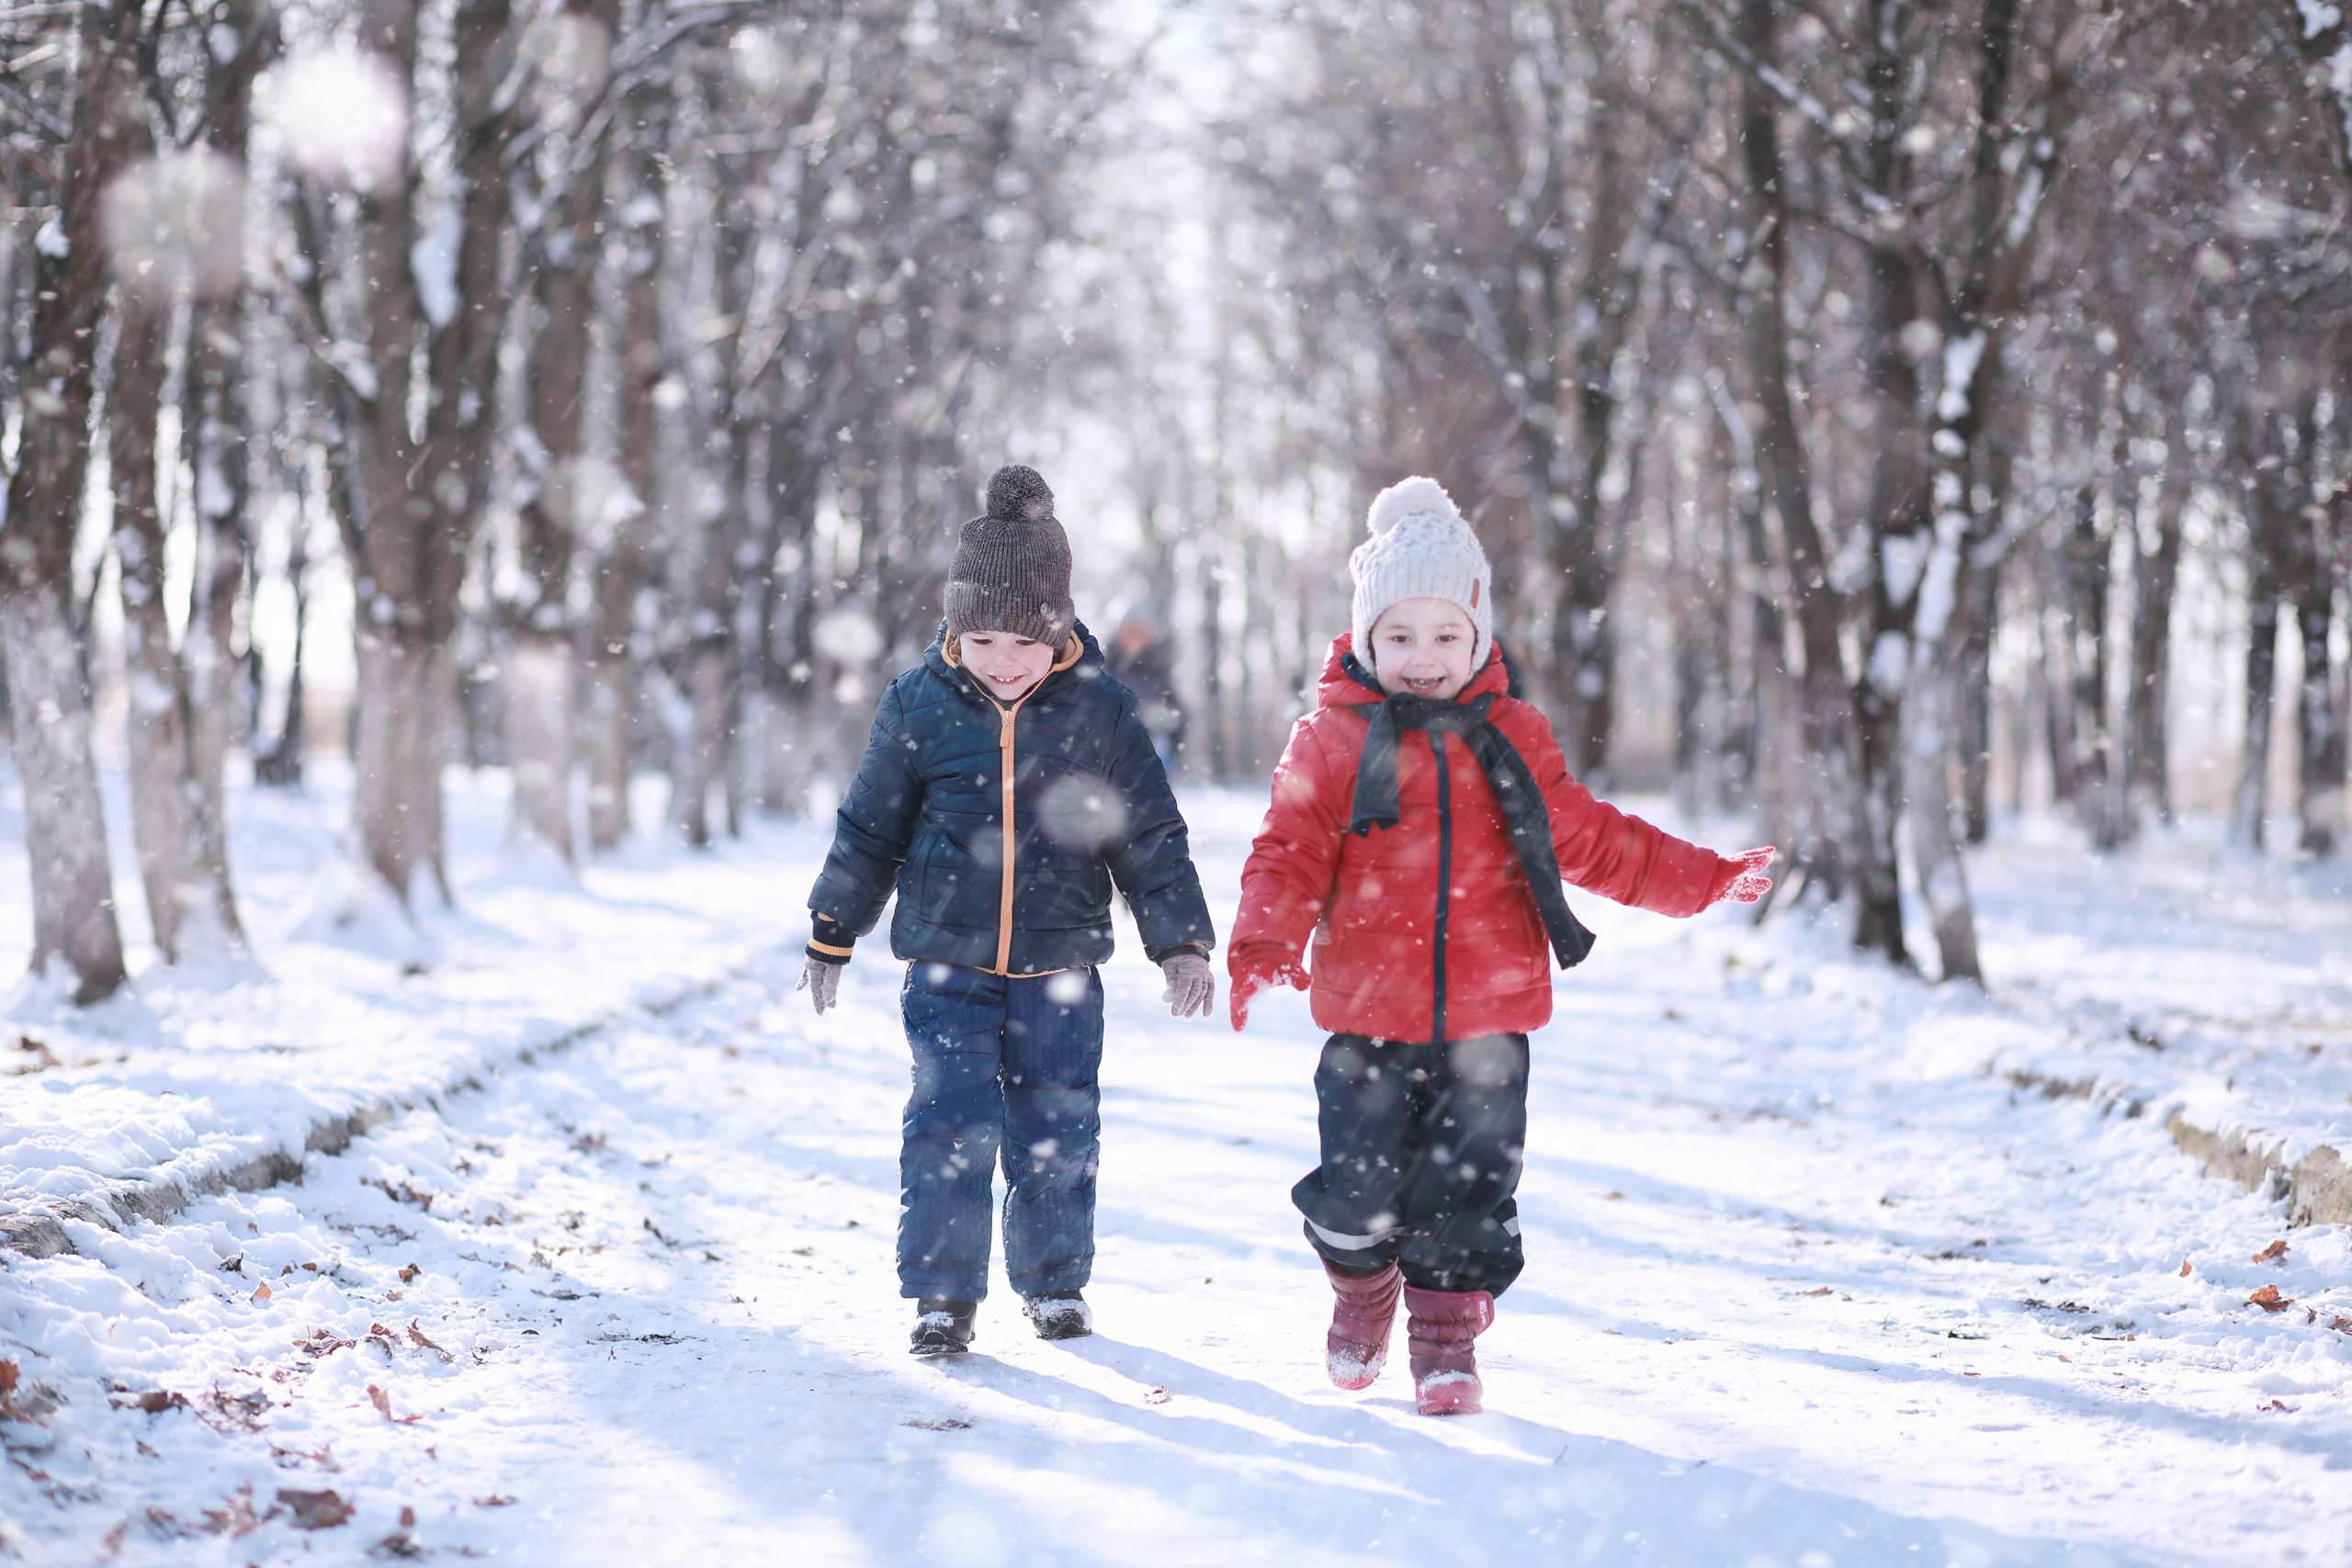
1741 878
1192 985
820 981
1253 976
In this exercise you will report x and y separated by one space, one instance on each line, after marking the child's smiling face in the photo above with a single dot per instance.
1006 666
1422 645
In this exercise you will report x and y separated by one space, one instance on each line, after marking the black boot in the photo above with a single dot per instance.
1059 1315
943 1328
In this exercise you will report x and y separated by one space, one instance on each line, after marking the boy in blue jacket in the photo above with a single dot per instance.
1008 787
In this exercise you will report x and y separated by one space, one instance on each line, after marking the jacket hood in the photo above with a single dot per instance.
1346 683
1090 667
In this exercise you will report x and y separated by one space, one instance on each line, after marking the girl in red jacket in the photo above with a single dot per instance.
1422 821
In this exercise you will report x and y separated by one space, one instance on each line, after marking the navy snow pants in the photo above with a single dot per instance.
1422 1145
1004 1066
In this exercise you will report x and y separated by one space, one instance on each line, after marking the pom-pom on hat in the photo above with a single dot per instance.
1420 548
1012 571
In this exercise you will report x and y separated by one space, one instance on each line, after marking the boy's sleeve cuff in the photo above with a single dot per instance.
1161 955
832 942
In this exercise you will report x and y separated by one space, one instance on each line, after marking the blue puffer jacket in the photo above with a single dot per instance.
1090 807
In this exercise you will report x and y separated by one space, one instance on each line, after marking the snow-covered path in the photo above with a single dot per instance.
1804 1287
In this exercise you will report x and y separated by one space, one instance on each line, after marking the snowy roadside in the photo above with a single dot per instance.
185 1084
1809 1284
2203 989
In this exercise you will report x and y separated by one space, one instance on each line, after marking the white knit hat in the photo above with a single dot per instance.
1420 548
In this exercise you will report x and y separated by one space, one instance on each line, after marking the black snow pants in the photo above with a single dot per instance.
1422 1145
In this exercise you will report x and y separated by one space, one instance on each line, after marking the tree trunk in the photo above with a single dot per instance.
626 565
73 888
1973 699
2157 571
2250 804
2320 797
415 504
187 895
217 378
540 679
1832 741
2085 580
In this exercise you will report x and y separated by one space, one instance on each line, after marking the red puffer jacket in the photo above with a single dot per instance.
1380 965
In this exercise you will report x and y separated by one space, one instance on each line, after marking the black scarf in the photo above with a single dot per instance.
1515 790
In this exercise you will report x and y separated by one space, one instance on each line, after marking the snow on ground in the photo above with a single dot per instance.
349 1004
1809 1283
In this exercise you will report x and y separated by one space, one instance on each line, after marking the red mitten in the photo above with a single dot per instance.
1257 970
1740 877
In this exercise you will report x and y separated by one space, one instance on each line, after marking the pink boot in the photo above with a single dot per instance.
1357 1346
1439 1329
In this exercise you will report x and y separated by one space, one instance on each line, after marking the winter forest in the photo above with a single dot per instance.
473 465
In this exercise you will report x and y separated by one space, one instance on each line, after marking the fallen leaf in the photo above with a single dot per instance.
2184 1268
381 1399
2341 1325
261 1295
392 1295
2278 1404
492 1501
155 1401
410 1273
379 1331
2275 1253
315 1510
2269 1300
400 1543
945 1423
235 1521
803 1251
11 1376
1157 1396
408 1518
1822 1292
2068 1359
416 1336
1613 1195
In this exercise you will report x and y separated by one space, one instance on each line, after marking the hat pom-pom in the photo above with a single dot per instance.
1018 492
1409 498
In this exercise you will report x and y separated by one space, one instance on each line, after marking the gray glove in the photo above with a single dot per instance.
821 981
1192 985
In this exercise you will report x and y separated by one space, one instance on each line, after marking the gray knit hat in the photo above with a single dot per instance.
1012 571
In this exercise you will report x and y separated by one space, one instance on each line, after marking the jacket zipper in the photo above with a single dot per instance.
1444 877
1069 656
1004 903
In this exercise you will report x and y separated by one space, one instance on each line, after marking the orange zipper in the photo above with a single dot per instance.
1004 905
954 655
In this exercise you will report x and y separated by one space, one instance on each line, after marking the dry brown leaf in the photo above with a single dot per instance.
2275 1253
1157 1396
236 1519
11 1376
2341 1325
381 1399
2269 1300
260 1293
492 1501
1613 1195
408 1518
409 1274
1822 1291
315 1510
155 1401
2184 1268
